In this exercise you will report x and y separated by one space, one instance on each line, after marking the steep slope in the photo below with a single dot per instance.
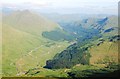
23 42
23 20
111 28
103 54
78 53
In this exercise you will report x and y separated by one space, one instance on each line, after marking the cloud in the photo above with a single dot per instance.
95 6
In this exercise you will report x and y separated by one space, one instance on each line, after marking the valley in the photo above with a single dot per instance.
53 46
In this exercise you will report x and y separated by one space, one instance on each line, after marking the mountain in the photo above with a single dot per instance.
23 42
102 30
26 19
34 45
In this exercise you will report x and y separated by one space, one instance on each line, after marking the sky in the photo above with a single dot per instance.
66 6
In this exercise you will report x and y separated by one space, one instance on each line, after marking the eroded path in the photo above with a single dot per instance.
37 57
21 62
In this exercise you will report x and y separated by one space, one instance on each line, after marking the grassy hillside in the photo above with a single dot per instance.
103 63
105 53
23 46
29 22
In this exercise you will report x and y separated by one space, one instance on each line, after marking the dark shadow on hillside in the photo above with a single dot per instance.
112 75
96 75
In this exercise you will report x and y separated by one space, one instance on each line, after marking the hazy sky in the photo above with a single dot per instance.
66 6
